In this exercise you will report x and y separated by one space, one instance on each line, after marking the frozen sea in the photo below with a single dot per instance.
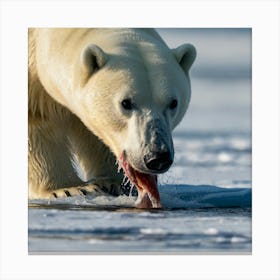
206 194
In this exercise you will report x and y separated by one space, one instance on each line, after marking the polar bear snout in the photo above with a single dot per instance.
158 151
158 161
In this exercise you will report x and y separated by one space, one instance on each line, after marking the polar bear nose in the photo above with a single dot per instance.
158 161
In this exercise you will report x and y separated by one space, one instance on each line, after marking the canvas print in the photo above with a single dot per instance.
139 140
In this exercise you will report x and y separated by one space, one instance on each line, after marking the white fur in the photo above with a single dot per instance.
77 81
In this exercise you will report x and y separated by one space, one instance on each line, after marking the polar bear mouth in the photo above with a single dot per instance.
146 184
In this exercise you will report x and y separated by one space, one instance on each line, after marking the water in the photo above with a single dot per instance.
129 230
206 194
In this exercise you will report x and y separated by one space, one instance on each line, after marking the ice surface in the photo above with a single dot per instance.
184 196
122 230
194 219
172 197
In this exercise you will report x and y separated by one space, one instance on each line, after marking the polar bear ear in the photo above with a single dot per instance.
93 58
185 55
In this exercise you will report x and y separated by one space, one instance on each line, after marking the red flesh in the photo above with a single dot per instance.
146 184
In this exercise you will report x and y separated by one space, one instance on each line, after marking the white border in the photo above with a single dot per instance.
262 16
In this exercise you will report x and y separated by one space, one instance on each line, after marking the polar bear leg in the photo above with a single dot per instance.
51 171
50 162
95 160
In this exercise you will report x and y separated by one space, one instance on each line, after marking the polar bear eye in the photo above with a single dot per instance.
127 104
173 104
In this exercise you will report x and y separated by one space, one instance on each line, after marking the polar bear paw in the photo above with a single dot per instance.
106 186
89 189
74 191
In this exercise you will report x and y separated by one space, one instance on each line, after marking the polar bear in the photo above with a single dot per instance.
100 97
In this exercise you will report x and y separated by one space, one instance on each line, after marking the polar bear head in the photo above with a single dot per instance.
132 94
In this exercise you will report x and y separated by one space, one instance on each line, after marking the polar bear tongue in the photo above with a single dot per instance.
148 195
146 184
